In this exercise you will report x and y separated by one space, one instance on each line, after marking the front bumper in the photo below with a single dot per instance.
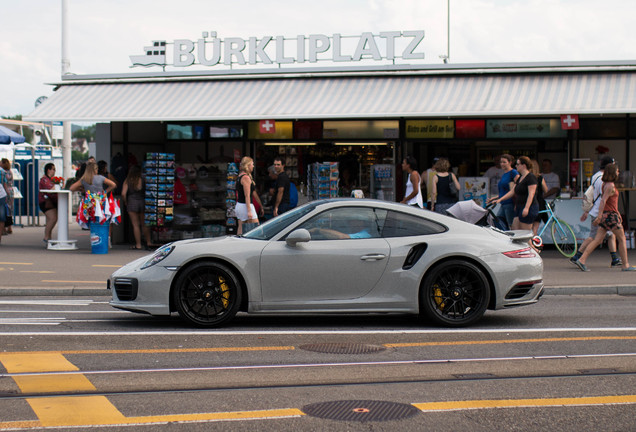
145 290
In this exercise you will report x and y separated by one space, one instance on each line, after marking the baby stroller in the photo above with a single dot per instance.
471 212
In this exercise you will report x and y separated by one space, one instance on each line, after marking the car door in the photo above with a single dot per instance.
326 268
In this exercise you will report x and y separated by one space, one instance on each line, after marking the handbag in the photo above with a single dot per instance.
452 186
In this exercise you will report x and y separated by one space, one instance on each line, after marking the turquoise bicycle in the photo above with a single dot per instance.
562 234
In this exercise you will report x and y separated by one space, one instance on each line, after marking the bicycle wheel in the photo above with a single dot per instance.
564 238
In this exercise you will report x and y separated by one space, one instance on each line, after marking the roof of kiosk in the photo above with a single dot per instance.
528 89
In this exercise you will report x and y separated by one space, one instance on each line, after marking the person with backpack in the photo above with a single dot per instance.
608 219
597 183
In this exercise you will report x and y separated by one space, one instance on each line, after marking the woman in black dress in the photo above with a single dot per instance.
525 193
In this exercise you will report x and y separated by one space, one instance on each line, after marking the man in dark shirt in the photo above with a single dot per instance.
281 204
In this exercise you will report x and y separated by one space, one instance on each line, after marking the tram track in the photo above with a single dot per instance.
383 375
459 379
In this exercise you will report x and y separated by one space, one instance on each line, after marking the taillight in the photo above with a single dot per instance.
521 253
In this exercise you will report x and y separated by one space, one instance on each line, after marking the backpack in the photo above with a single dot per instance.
588 198
293 195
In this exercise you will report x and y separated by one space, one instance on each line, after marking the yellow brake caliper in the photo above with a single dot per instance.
438 297
225 299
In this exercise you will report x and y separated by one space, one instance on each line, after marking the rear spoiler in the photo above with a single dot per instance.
520 236
517 236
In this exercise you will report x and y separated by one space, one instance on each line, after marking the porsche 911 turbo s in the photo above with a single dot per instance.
338 256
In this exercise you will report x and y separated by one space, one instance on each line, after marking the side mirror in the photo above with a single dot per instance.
298 236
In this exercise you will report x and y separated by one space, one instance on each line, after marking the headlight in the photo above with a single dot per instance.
159 255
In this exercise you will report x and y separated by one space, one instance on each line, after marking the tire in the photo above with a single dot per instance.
454 294
564 239
207 294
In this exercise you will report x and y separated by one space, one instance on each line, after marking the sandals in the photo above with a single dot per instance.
133 247
632 268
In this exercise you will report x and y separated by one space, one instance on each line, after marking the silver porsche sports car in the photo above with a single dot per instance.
338 256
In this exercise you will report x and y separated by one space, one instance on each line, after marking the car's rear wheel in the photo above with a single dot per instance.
207 294
455 294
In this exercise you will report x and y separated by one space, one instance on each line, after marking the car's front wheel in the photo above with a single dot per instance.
455 294
207 294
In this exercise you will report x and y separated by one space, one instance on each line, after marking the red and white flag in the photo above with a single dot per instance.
267 126
569 121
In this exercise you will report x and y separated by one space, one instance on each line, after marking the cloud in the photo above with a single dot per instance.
104 33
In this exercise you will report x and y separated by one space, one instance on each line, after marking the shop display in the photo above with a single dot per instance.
289 155
200 202
474 188
382 182
159 179
322 180
98 208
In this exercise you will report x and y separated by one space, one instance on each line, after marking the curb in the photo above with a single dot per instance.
53 292
621 290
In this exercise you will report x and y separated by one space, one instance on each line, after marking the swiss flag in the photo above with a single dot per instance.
267 126
569 121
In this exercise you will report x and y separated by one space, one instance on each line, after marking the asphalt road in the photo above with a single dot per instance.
567 362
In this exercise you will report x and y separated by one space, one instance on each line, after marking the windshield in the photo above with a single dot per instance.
273 226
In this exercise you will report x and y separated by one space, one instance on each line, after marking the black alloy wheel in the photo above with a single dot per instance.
207 294
455 294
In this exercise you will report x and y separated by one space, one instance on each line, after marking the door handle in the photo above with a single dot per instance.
372 257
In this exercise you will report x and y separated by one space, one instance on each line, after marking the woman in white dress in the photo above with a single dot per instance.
413 194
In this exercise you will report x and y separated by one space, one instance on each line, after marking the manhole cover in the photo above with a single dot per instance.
343 348
360 410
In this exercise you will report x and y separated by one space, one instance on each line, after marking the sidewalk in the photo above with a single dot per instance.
28 268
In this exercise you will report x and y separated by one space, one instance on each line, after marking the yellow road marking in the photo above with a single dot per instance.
14 263
76 411
21 424
65 281
509 403
273 413
45 361
508 341
98 410
36 271
53 383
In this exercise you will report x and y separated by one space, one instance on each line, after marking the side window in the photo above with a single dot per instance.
343 223
404 225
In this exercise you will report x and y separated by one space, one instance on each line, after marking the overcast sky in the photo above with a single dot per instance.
104 33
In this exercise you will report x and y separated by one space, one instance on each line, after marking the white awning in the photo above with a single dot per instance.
468 95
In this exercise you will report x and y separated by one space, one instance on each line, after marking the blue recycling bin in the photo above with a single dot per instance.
99 238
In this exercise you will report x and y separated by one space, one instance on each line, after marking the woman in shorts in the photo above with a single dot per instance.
609 219
246 195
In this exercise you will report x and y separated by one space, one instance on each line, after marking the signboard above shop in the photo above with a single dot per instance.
525 128
212 50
